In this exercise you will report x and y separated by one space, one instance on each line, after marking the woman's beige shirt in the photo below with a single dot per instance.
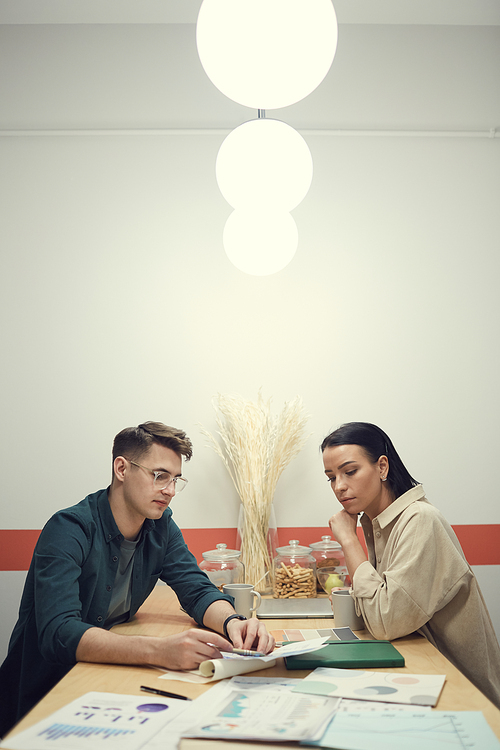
417 578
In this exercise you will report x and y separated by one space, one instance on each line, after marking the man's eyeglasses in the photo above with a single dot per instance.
162 479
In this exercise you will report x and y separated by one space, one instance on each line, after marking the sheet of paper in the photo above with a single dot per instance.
169 737
293 649
432 730
194 676
263 715
348 705
218 669
249 682
118 722
388 687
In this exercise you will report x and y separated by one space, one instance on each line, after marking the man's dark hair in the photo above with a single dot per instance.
133 442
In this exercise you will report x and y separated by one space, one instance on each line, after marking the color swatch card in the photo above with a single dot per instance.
308 634
389 687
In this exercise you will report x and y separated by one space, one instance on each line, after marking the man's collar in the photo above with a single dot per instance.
111 530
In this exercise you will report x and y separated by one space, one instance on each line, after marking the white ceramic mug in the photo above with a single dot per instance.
344 611
243 594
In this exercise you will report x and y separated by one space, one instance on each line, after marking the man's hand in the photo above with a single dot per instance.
250 634
188 649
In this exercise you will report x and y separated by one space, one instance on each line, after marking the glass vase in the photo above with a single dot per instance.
257 538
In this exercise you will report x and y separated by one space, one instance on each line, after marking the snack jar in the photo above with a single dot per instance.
294 572
223 565
329 554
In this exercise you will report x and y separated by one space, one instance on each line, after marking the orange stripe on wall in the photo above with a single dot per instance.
480 542
16 548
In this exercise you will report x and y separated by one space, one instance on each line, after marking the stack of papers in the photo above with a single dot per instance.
355 725
253 708
240 712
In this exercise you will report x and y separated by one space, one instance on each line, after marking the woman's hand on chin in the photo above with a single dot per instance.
343 526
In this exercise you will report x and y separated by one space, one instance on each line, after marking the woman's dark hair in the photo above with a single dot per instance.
375 443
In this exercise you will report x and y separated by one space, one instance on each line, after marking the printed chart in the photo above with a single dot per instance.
389 687
119 722
434 730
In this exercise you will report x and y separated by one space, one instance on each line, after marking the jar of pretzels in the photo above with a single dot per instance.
294 572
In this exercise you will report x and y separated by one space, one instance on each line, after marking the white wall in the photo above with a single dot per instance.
119 303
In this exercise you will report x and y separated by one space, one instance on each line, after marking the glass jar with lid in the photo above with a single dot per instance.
329 554
223 565
294 572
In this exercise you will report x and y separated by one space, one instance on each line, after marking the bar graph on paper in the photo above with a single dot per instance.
433 730
117 722
63 731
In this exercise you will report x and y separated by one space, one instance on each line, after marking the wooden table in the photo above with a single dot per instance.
160 615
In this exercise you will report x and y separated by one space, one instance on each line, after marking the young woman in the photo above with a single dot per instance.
416 576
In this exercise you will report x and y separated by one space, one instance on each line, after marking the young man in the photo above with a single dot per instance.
94 565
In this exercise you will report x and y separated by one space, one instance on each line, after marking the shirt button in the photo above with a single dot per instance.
108 588
115 559
109 536
378 559
378 533
99 619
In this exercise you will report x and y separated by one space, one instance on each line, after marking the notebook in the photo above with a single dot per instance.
294 608
349 655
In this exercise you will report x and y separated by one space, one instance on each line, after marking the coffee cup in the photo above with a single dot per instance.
344 611
243 594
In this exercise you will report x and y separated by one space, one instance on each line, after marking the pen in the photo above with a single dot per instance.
241 651
247 652
164 692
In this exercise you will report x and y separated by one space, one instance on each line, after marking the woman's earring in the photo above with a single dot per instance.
384 479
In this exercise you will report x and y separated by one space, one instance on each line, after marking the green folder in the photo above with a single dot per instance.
349 655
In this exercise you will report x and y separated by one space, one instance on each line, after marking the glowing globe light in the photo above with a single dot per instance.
266 54
264 162
259 242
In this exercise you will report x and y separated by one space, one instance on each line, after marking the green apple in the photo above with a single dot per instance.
333 581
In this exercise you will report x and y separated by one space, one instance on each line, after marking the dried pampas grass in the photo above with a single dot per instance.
256 448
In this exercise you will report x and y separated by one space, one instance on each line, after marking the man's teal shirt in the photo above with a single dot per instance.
68 590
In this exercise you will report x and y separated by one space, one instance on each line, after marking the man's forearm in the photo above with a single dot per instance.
184 650
216 614
102 646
